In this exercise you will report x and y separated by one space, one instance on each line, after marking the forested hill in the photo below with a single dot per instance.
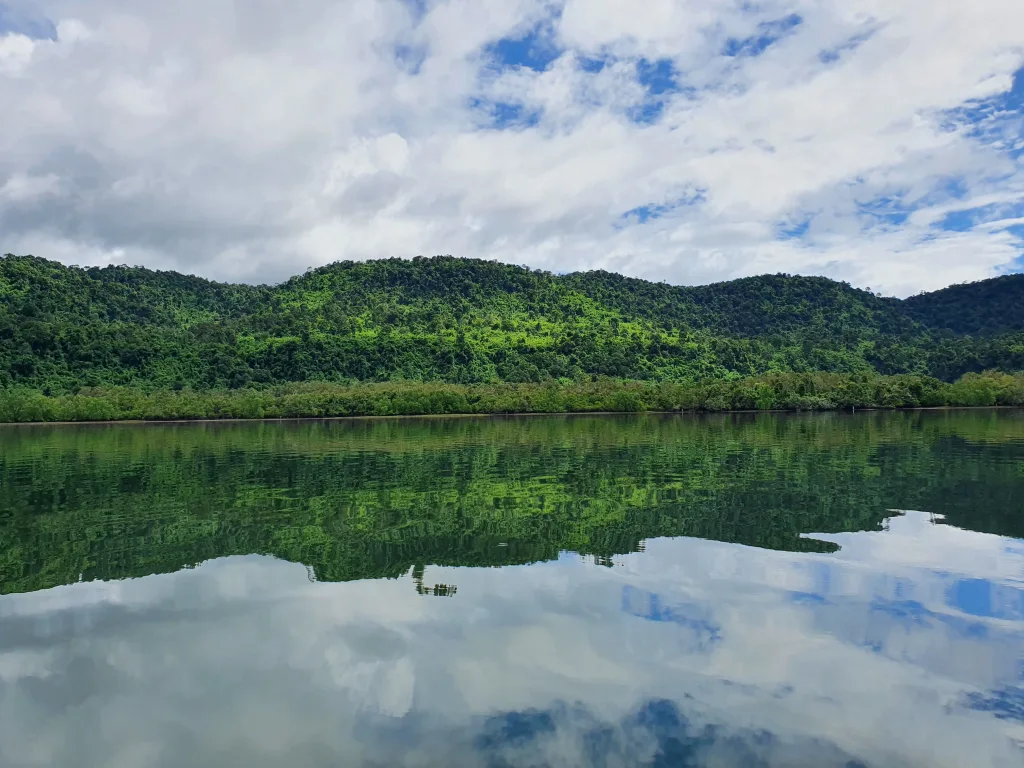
986 308
464 320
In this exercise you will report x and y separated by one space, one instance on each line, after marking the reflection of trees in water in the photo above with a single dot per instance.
371 499
438 590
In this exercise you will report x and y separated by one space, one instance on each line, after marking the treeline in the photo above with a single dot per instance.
780 391
474 322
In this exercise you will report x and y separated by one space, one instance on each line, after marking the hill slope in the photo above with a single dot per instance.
464 320
986 308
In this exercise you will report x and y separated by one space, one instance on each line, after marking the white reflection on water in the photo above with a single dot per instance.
905 647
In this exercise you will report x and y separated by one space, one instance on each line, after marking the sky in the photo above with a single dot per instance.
879 142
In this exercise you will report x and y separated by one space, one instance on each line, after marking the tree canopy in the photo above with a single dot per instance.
468 321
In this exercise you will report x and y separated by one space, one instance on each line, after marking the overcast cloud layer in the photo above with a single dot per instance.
874 141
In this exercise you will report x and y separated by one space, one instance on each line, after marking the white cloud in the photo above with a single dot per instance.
249 142
21 187
15 53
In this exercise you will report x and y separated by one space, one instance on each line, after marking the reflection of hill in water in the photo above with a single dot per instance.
370 499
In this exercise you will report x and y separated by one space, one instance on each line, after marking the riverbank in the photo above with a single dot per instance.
781 391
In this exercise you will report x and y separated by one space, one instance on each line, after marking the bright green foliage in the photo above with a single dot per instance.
475 322
372 498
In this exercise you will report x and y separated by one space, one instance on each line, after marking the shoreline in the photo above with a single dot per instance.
520 414
770 393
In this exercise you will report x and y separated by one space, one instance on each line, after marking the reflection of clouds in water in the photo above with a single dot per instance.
883 624
1006 703
704 633
898 649
655 733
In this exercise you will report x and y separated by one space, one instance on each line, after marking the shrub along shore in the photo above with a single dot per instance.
781 391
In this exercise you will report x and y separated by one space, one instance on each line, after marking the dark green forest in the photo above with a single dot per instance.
478 324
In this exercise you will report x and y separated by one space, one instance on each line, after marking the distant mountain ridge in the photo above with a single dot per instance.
468 320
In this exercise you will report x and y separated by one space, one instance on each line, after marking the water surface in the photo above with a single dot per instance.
820 590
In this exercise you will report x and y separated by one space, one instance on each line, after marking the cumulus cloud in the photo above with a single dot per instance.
874 142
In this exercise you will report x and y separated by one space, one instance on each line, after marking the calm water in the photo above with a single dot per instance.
587 591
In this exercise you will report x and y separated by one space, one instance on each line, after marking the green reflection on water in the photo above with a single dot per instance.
370 499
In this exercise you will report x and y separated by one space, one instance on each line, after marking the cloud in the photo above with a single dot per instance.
15 53
20 187
879 143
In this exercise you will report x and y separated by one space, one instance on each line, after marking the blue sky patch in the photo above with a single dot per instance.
968 218
592 64
958 221
657 76
646 113
659 79
830 55
534 50
768 33
1017 265
1014 98
887 210
503 115
644 213
794 228
954 186
894 210
997 121
23 22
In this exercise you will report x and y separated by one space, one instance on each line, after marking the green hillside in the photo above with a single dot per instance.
469 321
986 308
